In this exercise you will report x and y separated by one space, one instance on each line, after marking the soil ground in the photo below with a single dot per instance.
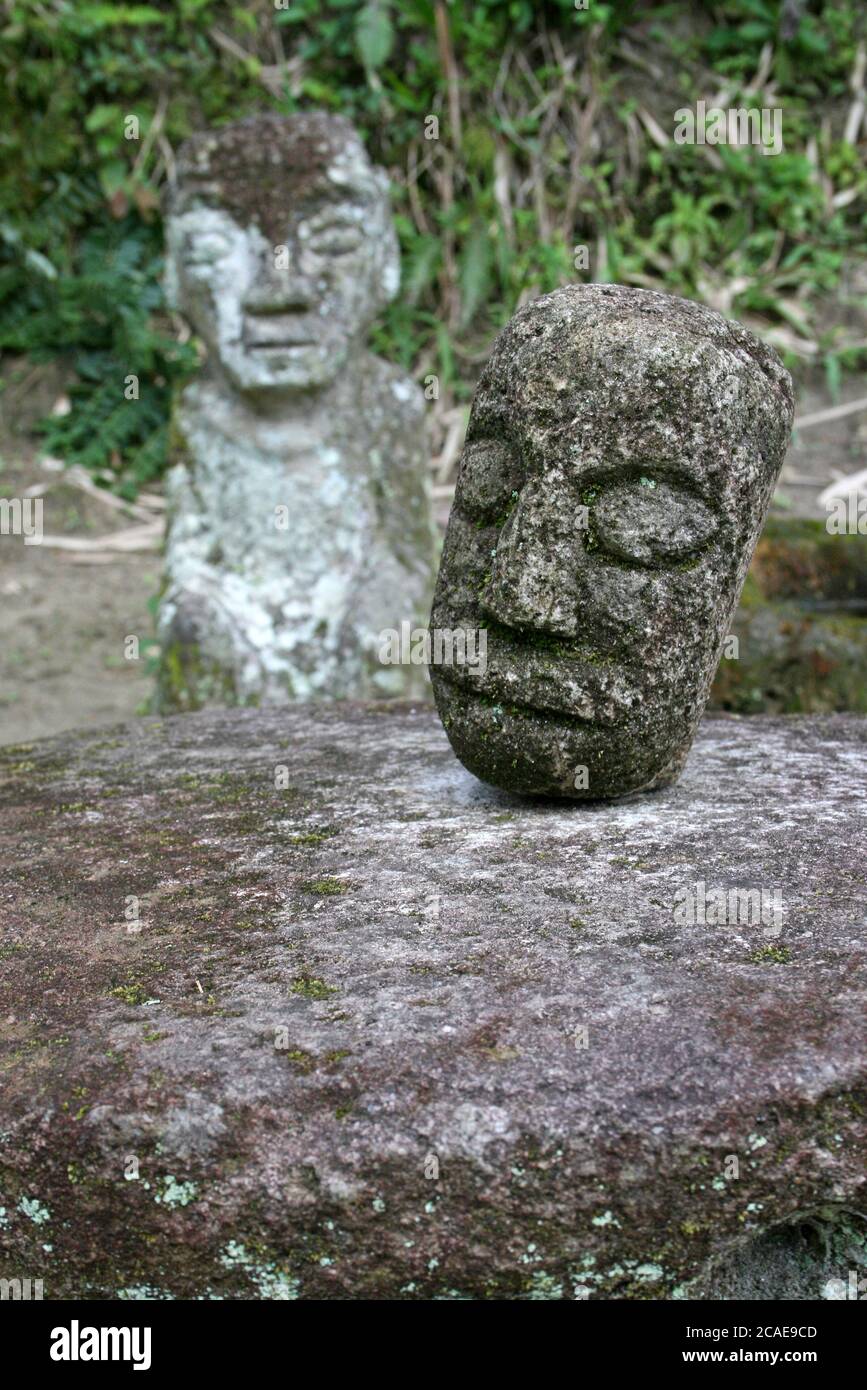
64 617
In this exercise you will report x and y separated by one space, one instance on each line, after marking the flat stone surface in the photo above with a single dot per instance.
383 969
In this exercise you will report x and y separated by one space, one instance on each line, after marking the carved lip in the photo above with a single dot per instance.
579 692
492 693
278 344
281 332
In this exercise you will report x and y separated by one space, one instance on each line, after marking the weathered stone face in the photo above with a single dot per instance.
299 515
280 247
620 459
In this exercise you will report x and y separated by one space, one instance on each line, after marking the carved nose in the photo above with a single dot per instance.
536 574
277 291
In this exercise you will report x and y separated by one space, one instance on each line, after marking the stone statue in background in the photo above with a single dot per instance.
299 516
619 463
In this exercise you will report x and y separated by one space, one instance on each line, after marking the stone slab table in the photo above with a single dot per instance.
292 1006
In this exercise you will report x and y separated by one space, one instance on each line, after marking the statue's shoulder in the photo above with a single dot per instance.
197 397
203 428
197 408
401 398
178 447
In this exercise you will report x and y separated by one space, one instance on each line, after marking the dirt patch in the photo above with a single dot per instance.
64 619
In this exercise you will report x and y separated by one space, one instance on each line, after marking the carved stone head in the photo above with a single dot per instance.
280 248
619 462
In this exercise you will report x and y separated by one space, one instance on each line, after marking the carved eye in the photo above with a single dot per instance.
333 237
649 522
489 480
204 248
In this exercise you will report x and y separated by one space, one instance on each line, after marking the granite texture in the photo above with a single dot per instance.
619 462
299 521
294 1006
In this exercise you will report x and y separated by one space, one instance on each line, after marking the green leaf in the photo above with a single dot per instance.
113 175
475 271
374 35
102 116
420 267
110 16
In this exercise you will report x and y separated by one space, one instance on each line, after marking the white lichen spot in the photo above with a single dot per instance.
37 1213
177 1194
390 279
145 1293
403 390
272 1281
606 1219
544 1286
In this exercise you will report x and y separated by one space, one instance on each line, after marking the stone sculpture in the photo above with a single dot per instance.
299 515
620 459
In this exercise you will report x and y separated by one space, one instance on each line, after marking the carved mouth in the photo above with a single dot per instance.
505 705
278 344
279 334
497 700
564 682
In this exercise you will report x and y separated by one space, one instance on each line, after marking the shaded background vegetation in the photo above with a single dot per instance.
554 132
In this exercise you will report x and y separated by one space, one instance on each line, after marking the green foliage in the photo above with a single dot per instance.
102 312
550 153
374 35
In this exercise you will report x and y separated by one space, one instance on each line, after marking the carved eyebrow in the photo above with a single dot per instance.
488 430
490 443
191 196
490 470
350 215
600 478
